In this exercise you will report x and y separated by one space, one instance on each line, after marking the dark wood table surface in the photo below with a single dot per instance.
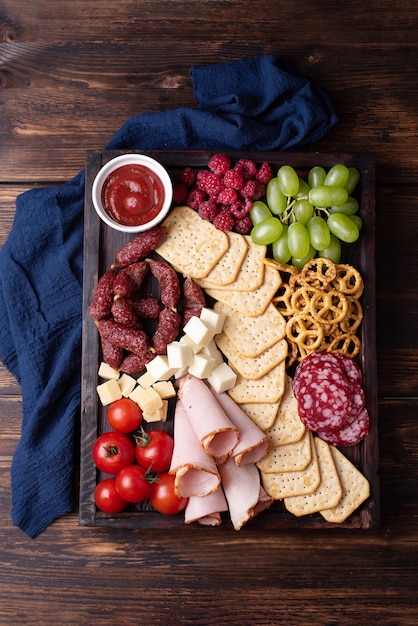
70 74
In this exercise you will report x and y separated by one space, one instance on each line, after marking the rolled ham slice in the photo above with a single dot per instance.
243 491
253 442
215 431
207 510
196 473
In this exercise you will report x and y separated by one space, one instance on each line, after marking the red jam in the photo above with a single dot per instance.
133 195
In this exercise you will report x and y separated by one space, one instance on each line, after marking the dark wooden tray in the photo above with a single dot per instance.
100 245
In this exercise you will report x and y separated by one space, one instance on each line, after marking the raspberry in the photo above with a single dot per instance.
247 168
201 177
187 176
219 164
259 191
227 196
249 189
208 210
180 192
213 184
224 221
234 179
265 173
238 210
195 198
243 225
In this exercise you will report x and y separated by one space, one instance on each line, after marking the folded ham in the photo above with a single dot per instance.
215 431
196 473
243 491
253 443
206 510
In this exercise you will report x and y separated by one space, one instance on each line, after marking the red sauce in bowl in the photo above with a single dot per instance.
133 195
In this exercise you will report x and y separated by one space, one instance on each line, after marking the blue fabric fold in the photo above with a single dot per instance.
259 103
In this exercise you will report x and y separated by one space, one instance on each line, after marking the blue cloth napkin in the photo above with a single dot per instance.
251 104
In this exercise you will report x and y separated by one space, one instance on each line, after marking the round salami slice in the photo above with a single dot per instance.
312 366
325 403
351 368
351 433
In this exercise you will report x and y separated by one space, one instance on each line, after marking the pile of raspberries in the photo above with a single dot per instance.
224 193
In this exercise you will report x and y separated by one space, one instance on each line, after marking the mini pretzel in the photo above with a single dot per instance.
305 331
348 280
301 298
318 273
282 300
329 307
354 316
347 344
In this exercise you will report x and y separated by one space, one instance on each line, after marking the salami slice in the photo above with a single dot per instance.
325 403
353 431
351 368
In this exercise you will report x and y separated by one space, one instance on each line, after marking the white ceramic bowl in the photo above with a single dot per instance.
131 159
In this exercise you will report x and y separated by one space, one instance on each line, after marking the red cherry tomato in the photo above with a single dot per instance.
112 451
133 483
107 498
163 499
154 450
124 415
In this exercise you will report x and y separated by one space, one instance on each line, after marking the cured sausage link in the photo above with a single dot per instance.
101 304
193 300
135 341
168 281
167 330
140 247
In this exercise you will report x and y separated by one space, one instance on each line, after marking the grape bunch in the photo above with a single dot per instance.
303 219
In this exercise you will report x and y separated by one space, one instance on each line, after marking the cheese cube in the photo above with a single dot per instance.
213 319
195 348
182 371
179 354
148 399
146 380
105 371
222 378
202 365
159 368
165 388
212 350
126 384
160 415
198 331
109 392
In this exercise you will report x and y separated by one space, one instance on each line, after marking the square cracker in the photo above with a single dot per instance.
262 414
268 388
287 426
252 335
355 489
285 484
329 491
227 268
192 245
252 367
253 302
251 273
292 457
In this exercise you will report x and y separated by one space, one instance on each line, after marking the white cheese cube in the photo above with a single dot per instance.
165 388
222 378
202 365
212 350
160 415
109 392
199 332
182 371
126 384
179 354
185 339
105 371
159 368
148 399
213 319
146 380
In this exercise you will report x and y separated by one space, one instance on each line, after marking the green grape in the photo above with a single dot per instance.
319 233
343 227
259 212
357 220
303 189
280 249
288 180
303 211
267 231
349 207
352 180
298 240
333 252
299 263
337 176
325 195
316 176
276 199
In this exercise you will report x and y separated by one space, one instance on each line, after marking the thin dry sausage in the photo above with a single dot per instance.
140 247
101 304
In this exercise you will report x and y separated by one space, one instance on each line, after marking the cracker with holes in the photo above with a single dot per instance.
252 368
262 414
291 457
229 265
268 388
287 427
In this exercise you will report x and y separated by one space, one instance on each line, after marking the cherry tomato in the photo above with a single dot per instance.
107 498
112 451
124 415
163 499
132 483
154 450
